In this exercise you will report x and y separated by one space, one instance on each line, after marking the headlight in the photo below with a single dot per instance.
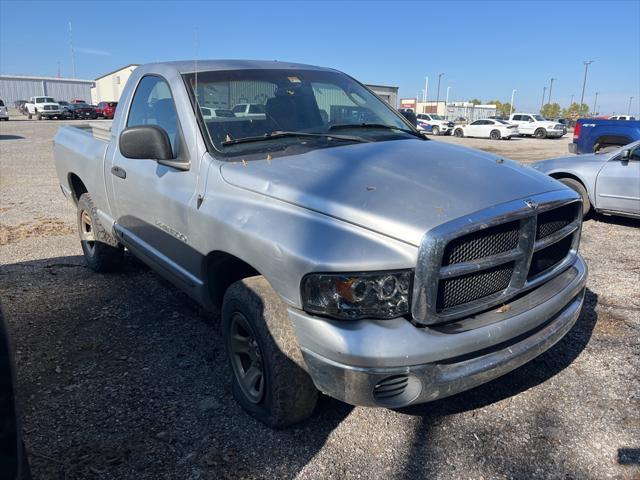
357 295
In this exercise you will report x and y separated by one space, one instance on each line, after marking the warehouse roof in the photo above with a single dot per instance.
118 69
50 79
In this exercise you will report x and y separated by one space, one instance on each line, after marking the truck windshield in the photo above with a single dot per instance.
45 100
259 104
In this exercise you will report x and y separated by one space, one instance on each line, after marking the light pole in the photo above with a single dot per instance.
438 94
629 109
595 102
584 82
446 102
550 88
426 88
513 94
544 91
571 102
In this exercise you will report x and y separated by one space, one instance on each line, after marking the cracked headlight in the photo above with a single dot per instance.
359 295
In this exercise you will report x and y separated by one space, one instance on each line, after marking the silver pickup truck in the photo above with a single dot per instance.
348 254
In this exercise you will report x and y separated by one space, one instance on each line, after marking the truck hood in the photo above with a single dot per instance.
400 188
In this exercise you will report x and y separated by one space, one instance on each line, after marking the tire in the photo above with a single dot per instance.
38 115
458 132
101 250
540 133
435 131
494 135
29 115
281 393
577 187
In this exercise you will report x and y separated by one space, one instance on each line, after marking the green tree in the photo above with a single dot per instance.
505 109
550 110
575 110
475 101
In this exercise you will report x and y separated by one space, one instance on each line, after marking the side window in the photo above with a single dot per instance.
635 154
153 105
517 117
477 122
529 119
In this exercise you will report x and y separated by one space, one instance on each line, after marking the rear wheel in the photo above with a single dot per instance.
435 131
269 381
576 186
495 135
458 133
101 251
541 133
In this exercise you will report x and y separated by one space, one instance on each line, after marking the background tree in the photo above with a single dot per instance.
475 101
502 109
550 110
575 110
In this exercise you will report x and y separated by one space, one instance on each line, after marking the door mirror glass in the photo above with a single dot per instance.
149 142
626 154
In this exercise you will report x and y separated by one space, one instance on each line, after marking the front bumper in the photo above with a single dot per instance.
50 113
555 133
392 363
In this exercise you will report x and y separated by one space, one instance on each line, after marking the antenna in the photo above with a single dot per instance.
73 55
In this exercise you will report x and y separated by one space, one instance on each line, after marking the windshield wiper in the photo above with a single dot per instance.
281 134
376 125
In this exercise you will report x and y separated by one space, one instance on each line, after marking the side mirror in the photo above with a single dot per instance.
146 142
626 154
530 120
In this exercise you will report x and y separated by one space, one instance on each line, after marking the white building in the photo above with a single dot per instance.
109 86
18 87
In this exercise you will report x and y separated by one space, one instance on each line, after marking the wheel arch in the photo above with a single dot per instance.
221 270
77 187
609 140
561 174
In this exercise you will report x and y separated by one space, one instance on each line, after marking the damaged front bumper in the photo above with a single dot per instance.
392 363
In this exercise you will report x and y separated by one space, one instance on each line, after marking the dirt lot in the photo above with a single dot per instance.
122 377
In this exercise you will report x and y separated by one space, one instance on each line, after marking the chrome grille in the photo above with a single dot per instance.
474 263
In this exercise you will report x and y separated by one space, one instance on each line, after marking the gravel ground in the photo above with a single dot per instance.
120 376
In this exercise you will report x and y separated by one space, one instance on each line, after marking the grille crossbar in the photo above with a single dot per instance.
458 274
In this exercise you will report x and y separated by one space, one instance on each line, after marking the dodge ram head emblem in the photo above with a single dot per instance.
532 204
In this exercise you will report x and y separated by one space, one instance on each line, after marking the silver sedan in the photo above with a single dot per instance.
608 182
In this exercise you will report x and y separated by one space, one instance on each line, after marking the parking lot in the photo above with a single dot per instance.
122 376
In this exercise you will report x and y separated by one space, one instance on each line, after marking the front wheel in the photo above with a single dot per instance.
458 133
541 133
101 251
435 131
577 187
495 135
269 381
29 115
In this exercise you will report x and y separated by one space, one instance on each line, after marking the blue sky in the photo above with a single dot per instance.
485 49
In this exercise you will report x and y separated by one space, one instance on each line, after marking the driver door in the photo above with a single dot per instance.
153 203
618 184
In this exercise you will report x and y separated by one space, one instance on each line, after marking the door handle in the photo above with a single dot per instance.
119 172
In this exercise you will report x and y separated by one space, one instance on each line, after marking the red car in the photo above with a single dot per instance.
106 109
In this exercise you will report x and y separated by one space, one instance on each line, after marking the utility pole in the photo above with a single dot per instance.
550 88
584 82
544 92
571 102
446 102
73 55
629 109
58 69
438 95
513 94
595 102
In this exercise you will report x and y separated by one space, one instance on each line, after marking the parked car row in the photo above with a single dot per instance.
48 107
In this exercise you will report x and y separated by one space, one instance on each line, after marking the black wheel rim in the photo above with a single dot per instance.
246 358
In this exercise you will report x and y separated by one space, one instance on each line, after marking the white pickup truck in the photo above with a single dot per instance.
536 125
42 107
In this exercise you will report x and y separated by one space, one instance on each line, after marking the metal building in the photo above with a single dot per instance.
109 86
386 93
16 87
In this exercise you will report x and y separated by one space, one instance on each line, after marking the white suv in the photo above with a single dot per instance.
531 124
435 124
